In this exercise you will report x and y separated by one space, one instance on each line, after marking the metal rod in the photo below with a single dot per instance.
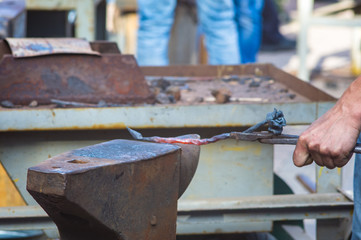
293 141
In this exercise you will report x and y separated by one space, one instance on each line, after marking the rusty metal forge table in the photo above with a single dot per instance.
232 190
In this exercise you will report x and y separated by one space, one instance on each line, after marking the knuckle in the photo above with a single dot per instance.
314 146
302 138
335 154
325 150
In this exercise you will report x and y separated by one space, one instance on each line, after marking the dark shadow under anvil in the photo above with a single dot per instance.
119 189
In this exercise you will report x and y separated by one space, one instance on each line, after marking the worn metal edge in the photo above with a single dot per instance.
264 202
186 206
229 115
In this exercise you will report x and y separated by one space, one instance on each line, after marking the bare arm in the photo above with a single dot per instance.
330 139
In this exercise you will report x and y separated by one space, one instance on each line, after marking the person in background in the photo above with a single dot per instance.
155 23
329 142
232 30
272 39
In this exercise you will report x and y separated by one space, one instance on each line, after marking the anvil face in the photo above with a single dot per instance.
119 189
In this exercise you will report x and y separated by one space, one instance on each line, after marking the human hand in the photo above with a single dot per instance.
329 141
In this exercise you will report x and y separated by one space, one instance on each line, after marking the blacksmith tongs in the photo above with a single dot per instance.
270 138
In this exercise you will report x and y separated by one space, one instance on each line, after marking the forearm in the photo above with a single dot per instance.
350 103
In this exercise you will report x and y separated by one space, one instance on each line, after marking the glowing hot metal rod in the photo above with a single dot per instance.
275 121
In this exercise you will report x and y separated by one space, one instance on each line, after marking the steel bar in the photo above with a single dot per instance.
227 215
266 203
293 141
236 210
24 218
232 115
274 120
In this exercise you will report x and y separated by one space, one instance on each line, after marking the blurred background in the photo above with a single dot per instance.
320 40
317 41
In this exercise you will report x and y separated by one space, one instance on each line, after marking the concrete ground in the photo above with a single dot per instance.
329 59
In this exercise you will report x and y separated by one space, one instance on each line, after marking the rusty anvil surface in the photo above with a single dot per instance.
119 189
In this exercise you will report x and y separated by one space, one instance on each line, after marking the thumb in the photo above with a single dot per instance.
301 156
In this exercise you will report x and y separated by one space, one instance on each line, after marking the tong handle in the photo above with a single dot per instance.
357 148
293 141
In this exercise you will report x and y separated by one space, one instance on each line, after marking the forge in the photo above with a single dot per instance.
86 100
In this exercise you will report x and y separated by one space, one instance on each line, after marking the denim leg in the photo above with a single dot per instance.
155 23
217 22
356 221
249 20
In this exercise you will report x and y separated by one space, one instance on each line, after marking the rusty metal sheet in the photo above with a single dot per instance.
105 47
117 190
113 78
30 47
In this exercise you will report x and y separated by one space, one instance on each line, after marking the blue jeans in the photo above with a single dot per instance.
155 23
356 221
232 30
